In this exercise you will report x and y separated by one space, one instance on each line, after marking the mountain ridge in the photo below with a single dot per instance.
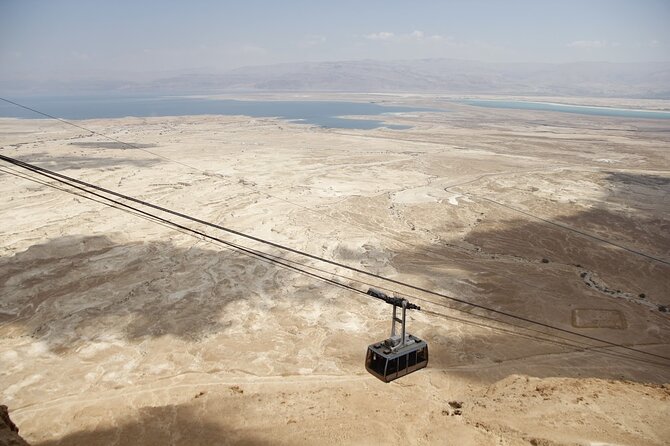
455 76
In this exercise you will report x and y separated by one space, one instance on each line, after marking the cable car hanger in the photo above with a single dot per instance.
399 355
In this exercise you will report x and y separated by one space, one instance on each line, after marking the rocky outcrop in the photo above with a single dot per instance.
9 433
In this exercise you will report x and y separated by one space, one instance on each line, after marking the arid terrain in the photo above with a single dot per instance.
117 330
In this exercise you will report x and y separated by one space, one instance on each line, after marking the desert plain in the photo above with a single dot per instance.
115 329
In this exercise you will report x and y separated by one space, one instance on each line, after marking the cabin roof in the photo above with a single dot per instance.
381 349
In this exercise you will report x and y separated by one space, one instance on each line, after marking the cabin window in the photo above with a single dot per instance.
411 359
402 363
421 355
392 366
375 363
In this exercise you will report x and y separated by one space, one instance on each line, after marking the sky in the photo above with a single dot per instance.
77 39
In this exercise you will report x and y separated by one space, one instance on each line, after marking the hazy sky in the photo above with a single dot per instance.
108 38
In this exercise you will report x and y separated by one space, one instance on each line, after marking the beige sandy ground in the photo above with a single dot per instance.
117 330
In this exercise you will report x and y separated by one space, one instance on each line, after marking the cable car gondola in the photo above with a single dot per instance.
398 355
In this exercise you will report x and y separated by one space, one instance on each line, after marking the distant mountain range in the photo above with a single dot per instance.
600 79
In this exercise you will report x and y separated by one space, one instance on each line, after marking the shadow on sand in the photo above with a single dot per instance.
173 424
90 161
67 290
538 270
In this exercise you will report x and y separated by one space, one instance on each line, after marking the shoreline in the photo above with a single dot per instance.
477 102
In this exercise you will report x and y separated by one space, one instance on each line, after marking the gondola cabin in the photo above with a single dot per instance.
398 355
387 365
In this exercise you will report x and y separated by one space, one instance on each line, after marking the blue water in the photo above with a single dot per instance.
321 113
578 109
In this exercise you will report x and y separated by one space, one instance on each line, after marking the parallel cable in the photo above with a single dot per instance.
328 216
264 257
44 171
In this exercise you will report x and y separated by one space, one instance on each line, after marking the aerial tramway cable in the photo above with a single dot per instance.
82 185
264 257
326 260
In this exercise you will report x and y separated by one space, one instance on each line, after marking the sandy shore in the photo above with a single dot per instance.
118 330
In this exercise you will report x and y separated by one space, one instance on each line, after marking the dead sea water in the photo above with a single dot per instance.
329 114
